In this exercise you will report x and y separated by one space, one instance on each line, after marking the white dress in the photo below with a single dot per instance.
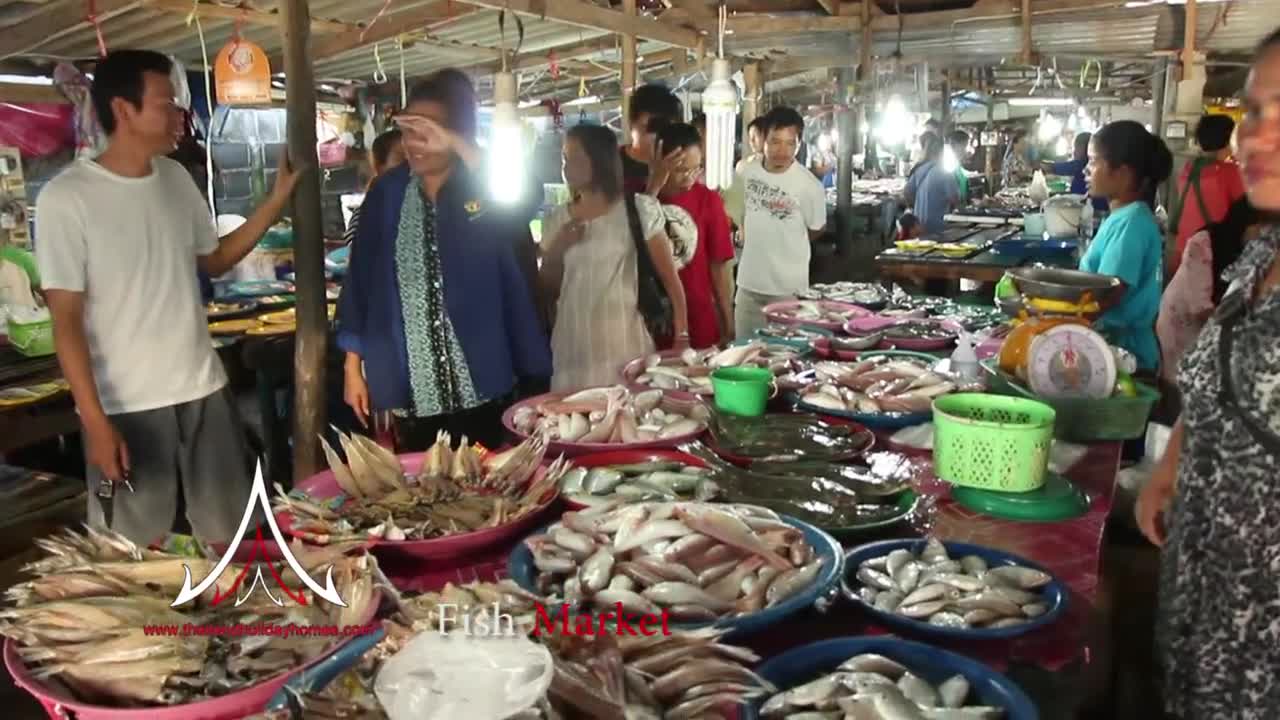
598 324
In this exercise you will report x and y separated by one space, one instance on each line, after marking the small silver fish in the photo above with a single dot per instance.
876 579
922 610
948 620
888 600
973 564
918 691
873 663
1017 576
953 691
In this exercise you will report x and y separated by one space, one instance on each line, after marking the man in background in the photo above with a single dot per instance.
755 141
958 144
116 240
652 108
1208 185
784 207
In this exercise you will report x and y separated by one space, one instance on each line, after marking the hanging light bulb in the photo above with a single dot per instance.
720 104
506 152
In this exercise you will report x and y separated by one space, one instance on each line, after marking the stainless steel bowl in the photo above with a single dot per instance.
1066 285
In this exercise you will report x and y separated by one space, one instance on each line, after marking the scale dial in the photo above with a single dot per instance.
1071 361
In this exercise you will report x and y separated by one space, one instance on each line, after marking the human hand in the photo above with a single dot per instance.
663 167
106 449
429 134
287 177
355 392
1152 504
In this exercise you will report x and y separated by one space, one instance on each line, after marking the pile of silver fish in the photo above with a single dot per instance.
81 619
846 291
638 482
701 562
882 384
956 593
873 687
778 331
458 490
819 311
611 415
691 370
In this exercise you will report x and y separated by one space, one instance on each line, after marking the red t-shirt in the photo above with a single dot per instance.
1220 184
707 217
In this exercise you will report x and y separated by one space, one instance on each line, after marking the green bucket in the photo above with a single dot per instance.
992 442
742 390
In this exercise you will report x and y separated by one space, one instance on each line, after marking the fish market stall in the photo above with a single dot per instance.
981 255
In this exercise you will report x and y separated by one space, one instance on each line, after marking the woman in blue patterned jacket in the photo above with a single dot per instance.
437 316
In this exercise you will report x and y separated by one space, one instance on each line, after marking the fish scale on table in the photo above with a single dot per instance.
714 564
933 588
869 686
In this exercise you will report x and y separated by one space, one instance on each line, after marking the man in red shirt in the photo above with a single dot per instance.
699 230
1208 185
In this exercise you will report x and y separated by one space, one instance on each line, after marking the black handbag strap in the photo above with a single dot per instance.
637 231
1230 312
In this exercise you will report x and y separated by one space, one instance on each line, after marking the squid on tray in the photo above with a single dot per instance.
881 384
613 415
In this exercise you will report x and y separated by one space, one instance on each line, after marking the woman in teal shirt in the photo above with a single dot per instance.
1126 165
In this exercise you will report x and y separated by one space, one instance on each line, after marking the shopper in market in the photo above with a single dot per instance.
1126 166
696 221
1209 501
932 190
958 145
755 143
436 315
386 152
783 209
1016 170
117 237
591 266
1197 286
652 107
1208 185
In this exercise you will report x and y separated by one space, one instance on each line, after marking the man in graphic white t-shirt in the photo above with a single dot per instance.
118 241
783 208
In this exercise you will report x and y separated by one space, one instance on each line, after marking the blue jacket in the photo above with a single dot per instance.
487 296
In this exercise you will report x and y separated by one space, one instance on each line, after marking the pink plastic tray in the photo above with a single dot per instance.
322 485
60 704
573 449
774 313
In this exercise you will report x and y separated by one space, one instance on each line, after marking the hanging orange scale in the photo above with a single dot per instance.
242 73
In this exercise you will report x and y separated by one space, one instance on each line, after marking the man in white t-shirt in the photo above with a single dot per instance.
118 240
783 208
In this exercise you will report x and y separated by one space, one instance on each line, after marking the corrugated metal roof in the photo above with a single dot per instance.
1235 26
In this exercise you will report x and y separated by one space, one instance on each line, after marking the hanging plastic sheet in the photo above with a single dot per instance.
90 139
37 129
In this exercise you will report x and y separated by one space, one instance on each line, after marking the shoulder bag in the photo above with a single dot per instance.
652 299
1233 308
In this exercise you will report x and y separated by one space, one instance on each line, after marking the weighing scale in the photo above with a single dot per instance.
1071 361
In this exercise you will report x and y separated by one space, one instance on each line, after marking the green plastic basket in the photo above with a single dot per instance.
992 442
32 339
1084 420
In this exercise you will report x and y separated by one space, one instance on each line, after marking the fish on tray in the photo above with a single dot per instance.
691 370
638 482
882 384
80 619
455 492
702 562
917 330
950 592
787 437
873 686
818 311
789 332
612 415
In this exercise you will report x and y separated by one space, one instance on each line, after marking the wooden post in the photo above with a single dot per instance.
311 338
628 71
844 164
1189 37
750 102
946 101
1027 54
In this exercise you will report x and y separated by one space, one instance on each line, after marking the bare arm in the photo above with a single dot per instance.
1160 490
722 285
551 274
239 243
665 265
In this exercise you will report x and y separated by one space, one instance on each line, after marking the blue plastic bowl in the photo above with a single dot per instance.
800 345
318 676
987 687
520 569
1055 593
878 421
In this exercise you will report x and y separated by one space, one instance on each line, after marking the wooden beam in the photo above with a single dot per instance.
311 336
1027 52
865 75
56 20
247 15
1191 21
849 19
753 24
387 28
628 69
584 14
24 93
696 9
831 6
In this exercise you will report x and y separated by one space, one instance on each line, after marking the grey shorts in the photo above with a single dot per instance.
198 446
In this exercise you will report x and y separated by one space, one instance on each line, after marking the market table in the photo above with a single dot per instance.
23 425
987 266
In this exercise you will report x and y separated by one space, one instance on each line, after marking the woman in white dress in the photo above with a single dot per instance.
589 267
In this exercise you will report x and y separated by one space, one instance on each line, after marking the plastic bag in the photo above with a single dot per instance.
1039 189
91 139
441 676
